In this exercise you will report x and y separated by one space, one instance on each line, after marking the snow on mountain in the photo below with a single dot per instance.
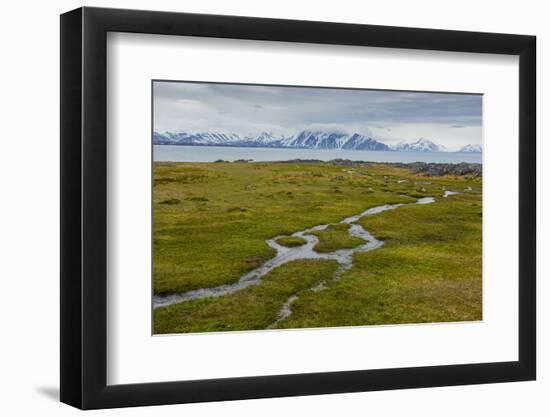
364 143
471 149
308 139
162 139
208 138
420 145
316 140
264 138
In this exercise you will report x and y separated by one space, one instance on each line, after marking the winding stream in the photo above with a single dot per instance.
344 257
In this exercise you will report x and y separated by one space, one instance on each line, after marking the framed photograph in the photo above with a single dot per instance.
259 208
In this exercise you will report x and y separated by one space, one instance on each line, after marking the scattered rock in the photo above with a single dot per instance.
197 199
437 170
170 201
432 169
237 210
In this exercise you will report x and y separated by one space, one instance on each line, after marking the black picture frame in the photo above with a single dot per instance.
84 207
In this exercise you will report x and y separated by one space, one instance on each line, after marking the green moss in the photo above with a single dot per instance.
200 243
334 237
255 307
291 241
429 268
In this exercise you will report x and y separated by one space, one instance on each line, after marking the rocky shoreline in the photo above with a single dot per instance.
437 170
430 169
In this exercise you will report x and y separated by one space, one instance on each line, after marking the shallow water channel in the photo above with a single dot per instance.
344 257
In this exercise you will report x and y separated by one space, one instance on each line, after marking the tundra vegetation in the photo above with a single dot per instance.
290 241
212 220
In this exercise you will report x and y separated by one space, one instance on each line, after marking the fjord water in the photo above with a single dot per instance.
176 153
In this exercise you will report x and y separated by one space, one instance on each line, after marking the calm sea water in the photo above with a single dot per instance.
176 153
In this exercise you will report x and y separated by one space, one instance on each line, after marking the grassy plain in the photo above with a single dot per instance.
253 308
211 221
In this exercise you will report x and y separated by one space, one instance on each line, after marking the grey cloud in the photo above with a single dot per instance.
249 108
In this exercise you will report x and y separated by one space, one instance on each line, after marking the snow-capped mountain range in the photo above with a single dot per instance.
307 139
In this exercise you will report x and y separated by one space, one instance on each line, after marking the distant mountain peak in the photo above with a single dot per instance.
334 140
471 148
420 145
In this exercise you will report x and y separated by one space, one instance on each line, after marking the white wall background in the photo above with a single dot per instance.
29 225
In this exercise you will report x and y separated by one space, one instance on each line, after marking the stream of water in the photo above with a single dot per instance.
344 257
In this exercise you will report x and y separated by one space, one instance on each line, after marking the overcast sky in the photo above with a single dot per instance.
452 120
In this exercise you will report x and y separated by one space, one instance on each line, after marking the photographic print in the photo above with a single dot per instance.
290 207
